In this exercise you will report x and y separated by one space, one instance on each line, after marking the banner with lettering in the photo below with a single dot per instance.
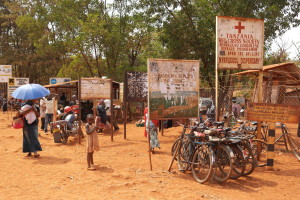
136 86
273 112
173 88
95 88
14 83
239 43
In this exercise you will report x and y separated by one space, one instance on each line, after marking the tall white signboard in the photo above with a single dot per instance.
240 43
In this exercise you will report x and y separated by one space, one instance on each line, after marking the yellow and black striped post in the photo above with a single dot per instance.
271 145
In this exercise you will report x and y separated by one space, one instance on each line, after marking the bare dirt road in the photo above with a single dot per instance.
123 171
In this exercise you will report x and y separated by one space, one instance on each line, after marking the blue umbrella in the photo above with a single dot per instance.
30 91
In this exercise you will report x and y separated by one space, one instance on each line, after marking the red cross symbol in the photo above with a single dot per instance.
239 27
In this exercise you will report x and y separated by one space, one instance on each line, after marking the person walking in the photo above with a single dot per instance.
49 112
152 124
43 112
92 140
107 104
30 112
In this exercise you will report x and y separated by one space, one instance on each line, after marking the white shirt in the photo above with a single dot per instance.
49 106
30 117
42 107
107 105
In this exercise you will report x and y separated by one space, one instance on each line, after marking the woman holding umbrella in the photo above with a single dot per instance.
30 112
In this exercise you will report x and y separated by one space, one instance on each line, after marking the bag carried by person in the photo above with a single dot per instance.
18 122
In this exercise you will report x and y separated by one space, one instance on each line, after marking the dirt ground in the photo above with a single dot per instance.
124 173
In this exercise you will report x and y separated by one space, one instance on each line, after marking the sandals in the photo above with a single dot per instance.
36 155
29 155
91 168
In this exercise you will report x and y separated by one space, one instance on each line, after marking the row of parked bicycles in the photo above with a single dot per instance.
219 153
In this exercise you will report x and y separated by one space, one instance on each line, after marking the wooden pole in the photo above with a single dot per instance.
260 100
148 136
271 145
216 79
162 127
55 106
174 156
148 118
125 103
111 112
79 112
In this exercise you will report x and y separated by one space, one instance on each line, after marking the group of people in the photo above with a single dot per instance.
32 110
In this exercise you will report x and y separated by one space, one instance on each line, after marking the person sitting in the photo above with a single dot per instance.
101 119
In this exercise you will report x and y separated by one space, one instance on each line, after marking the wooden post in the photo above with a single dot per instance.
162 127
217 93
55 110
124 104
216 79
259 98
111 112
148 136
79 112
271 145
175 154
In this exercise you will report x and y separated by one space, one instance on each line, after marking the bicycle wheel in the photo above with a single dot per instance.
223 163
202 164
183 155
238 162
250 160
261 156
174 147
294 146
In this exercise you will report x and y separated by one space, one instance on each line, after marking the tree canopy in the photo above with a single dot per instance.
68 38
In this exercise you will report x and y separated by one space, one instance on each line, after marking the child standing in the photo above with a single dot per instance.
92 140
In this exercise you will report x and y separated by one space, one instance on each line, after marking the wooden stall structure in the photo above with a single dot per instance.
96 88
281 83
87 91
135 90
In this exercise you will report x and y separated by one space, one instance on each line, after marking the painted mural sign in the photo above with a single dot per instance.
5 73
14 83
95 88
173 88
273 112
240 43
136 86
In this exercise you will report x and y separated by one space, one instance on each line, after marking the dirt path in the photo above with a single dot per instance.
123 172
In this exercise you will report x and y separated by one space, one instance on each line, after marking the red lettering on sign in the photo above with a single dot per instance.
239 27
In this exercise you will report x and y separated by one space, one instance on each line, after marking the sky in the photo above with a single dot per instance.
292 35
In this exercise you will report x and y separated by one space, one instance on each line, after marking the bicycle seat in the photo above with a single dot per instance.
59 122
227 129
254 123
218 123
234 133
212 131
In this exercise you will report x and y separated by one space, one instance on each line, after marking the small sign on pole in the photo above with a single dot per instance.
5 73
135 90
273 113
14 83
95 88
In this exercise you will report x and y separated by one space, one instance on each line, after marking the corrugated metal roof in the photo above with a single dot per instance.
289 70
